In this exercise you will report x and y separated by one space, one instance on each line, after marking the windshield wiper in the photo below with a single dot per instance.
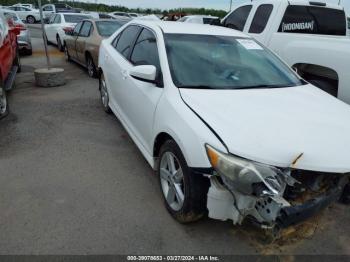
198 87
263 86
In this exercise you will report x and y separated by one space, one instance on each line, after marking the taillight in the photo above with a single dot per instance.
21 27
67 29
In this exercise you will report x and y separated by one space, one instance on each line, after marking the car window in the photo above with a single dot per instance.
57 19
260 19
52 18
48 8
105 16
77 28
75 18
313 20
107 28
126 40
145 50
224 62
238 18
85 29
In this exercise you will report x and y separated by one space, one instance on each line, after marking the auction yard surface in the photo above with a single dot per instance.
73 182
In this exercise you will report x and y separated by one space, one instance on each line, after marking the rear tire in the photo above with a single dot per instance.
30 19
66 53
4 107
184 192
59 43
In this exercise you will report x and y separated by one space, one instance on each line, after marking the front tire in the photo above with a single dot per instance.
4 107
184 192
104 94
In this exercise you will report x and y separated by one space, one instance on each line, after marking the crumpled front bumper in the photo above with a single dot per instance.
295 214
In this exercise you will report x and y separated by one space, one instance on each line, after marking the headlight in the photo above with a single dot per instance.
246 176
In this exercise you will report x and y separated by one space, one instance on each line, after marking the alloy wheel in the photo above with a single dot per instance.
172 180
66 54
90 67
104 92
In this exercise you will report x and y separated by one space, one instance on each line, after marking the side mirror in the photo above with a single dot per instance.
145 73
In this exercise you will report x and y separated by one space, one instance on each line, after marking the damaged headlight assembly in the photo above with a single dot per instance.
248 177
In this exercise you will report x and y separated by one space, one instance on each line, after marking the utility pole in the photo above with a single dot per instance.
44 36
230 5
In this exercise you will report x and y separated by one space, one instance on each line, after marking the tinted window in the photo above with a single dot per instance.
260 19
145 51
85 29
237 18
211 21
224 62
126 40
313 20
75 18
105 16
107 28
77 28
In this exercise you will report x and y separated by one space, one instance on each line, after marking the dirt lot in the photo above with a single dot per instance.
73 182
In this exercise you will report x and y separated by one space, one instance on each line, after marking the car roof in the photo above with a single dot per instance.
67 13
188 28
201 16
301 2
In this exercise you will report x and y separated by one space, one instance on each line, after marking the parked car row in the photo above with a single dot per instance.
10 61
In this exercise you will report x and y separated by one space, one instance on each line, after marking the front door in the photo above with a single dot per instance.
139 99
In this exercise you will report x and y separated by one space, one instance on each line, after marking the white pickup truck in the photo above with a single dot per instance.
309 36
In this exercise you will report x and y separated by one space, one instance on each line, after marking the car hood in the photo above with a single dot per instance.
274 126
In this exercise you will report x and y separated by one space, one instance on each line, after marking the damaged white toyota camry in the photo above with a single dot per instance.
230 129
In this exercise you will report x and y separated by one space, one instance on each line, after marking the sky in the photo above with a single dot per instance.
167 4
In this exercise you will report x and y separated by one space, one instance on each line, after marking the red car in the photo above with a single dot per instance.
9 61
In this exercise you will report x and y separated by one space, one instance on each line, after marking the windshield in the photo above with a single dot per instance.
75 18
107 28
224 62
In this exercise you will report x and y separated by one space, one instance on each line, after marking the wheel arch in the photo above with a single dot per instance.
160 139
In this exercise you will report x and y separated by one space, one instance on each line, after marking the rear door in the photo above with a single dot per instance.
49 28
81 40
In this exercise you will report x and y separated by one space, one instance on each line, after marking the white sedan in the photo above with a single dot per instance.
59 23
27 14
228 127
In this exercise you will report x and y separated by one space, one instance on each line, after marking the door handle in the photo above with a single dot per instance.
124 74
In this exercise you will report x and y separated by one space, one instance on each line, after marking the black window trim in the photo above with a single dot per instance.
91 26
245 23
160 83
127 58
268 20
79 28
